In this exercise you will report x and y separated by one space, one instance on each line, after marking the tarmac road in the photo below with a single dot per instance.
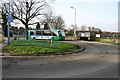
96 61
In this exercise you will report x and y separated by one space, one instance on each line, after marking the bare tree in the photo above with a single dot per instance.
83 28
59 23
48 19
71 30
38 26
89 28
51 18
27 10
4 20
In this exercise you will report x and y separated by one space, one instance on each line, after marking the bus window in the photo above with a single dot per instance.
39 32
54 34
45 34
32 33
59 32
63 33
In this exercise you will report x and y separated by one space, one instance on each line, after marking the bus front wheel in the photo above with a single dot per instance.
34 38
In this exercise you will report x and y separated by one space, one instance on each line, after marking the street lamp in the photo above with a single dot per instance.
74 24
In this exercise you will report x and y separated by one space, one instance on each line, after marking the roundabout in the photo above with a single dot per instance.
35 48
96 61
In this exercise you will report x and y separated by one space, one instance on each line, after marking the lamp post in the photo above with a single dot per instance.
74 24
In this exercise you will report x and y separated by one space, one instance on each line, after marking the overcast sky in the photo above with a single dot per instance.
98 13
102 14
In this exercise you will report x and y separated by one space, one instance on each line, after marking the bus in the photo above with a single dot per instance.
46 35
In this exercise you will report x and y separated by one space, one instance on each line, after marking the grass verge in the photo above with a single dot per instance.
37 49
110 41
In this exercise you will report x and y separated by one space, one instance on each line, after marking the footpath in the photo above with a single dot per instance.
2 45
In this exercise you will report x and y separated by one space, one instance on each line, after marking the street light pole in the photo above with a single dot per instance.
74 24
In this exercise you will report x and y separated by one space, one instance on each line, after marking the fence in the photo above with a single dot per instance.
20 39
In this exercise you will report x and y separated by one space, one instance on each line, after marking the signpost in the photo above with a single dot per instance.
9 20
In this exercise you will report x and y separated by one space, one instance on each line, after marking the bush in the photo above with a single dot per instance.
92 37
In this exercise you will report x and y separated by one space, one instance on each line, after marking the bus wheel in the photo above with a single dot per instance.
34 38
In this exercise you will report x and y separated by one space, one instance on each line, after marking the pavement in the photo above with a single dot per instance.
2 45
96 61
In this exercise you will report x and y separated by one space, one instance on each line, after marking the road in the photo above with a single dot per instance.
96 61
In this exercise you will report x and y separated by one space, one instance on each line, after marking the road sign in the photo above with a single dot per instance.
98 35
9 18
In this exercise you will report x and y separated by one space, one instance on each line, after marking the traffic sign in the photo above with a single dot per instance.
9 18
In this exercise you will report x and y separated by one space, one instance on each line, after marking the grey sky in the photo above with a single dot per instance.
97 13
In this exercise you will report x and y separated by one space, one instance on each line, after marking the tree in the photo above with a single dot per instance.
83 28
38 26
27 10
93 29
71 30
98 30
21 30
46 26
4 19
59 23
48 19
89 28
56 21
